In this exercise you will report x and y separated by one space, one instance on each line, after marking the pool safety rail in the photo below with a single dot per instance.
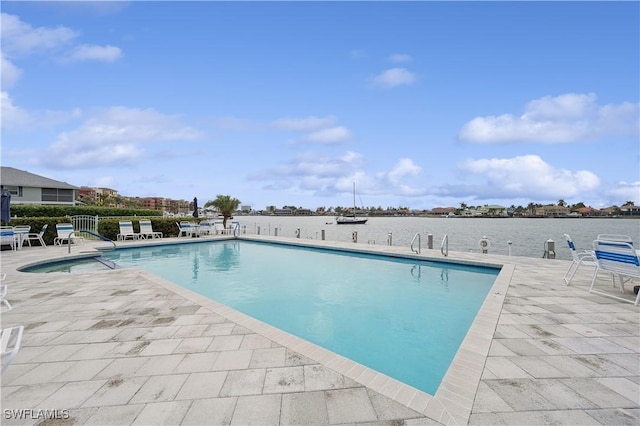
444 247
417 251
94 234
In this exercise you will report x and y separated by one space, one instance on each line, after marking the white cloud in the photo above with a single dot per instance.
329 136
566 118
528 176
303 124
98 53
115 137
14 117
404 167
9 72
400 57
394 77
20 38
625 191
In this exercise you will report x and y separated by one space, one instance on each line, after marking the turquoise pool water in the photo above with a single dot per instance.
401 317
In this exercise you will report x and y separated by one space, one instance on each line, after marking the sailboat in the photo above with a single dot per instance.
351 220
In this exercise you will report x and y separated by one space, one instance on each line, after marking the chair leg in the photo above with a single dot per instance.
570 273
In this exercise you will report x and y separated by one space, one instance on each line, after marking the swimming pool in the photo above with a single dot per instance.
402 317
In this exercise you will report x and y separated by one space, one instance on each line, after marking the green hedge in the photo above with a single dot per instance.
107 227
32 210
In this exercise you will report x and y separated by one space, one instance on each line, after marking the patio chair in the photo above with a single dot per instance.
66 233
219 226
619 259
37 236
126 231
8 237
11 339
580 257
207 228
4 288
186 229
146 229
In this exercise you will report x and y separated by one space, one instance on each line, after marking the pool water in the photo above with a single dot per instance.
402 317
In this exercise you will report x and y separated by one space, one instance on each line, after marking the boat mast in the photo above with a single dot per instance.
354 199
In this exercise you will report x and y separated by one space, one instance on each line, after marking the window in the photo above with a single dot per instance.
58 195
14 190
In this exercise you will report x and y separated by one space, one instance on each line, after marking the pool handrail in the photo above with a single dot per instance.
419 244
444 247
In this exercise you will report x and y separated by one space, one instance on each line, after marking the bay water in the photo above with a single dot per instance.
528 236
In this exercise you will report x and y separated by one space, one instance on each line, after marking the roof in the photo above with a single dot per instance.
14 177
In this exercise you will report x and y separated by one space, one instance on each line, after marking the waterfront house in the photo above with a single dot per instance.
29 188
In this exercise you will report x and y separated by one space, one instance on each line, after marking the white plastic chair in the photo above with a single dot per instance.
146 229
126 230
4 288
37 236
8 237
619 259
65 232
186 229
11 339
580 257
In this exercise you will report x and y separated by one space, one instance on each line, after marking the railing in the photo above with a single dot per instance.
444 247
419 245
95 234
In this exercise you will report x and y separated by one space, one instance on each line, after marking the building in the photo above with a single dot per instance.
29 188
552 211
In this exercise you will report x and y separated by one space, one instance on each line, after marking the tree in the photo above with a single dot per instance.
562 203
225 205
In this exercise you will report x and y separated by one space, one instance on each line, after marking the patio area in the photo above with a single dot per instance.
127 347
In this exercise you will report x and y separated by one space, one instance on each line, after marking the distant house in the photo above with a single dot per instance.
630 210
29 188
552 211
443 211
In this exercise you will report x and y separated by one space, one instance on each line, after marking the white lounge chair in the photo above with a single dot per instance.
11 339
65 233
4 288
187 229
207 228
8 237
146 229
619 259
126 231
580 257
219 227
37 236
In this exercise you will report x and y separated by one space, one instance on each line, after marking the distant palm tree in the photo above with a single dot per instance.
225 205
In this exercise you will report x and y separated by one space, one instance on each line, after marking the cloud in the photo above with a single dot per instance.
20 38
566 118
303 124
404 167
400 57
527 176
625 191
394 77
14 117
329 136
115 136
98 53
9 72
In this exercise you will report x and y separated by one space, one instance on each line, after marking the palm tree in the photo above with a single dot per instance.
225 205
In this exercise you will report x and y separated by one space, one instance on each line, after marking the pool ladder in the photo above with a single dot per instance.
444 247
417 236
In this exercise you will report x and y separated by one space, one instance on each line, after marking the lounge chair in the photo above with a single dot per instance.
580 257
66 233
187 229
8 237
146 229
11 339
126 231
219 226
618 258
4 288
37 236
207 228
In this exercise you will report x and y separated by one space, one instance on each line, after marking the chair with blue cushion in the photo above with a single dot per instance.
37 236
8 237
65 233
619 259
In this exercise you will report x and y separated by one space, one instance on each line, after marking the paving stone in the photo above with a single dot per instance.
257 410
163 413
616 416
520 394
487 401
115 415
601 395
268 357
284 379
215 411
387 409
319 377
116 391
192 363
159 388
243 382
202 385
233 360
349 406
307 408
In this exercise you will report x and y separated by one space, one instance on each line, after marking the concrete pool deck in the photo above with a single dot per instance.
127 347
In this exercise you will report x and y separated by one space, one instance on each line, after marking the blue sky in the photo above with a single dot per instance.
422 104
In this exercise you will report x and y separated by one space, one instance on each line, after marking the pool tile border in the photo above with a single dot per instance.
453 401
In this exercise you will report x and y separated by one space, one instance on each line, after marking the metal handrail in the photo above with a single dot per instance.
419 244
95 234
444 247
